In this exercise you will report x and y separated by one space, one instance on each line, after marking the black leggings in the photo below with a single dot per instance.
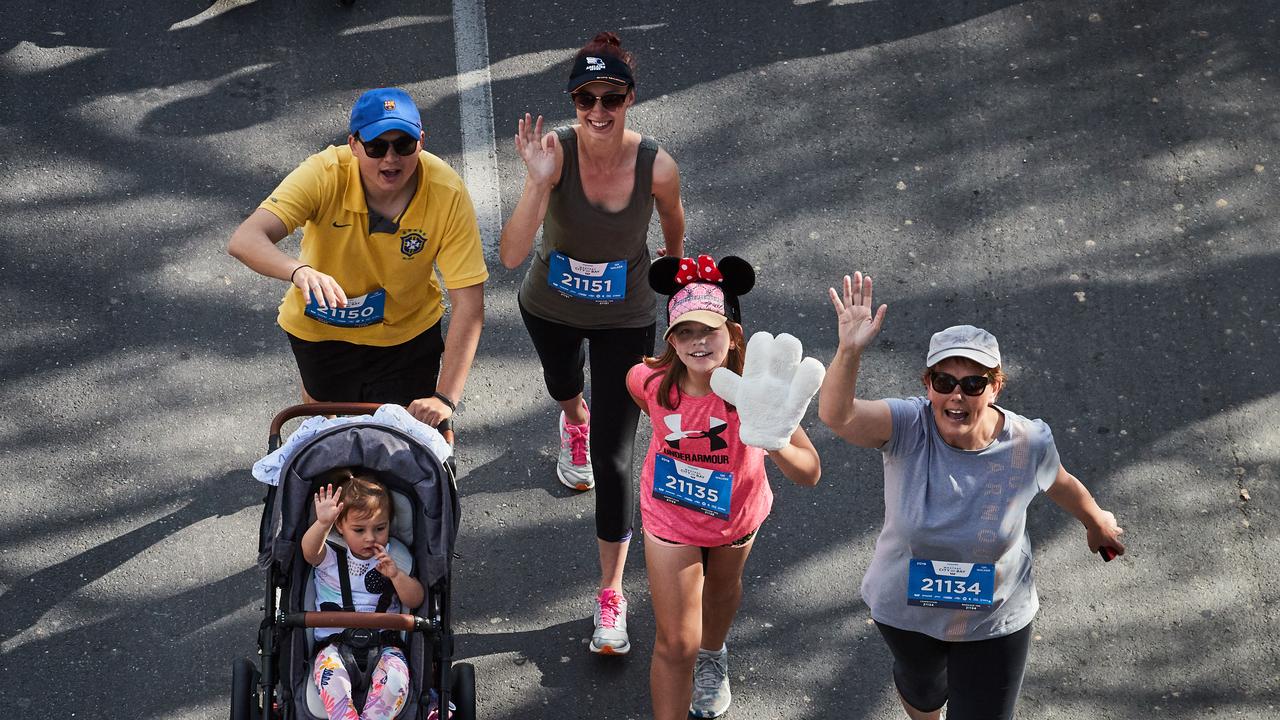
614 414
976 680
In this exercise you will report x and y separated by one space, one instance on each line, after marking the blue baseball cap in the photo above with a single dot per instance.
383 109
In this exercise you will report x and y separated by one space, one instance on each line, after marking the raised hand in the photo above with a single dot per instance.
328 506
386 564
773 392
537 151
857 325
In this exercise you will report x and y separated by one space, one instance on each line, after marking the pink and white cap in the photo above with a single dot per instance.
697 302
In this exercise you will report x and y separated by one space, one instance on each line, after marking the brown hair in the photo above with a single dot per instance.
607 43
675 371
362 494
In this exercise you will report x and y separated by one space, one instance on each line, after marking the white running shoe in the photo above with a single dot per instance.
711 696
573 466
610 637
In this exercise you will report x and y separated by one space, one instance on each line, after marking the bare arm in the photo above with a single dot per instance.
543 160
799 460
1100 526
865 423
466 320
666 198
327 506
254 244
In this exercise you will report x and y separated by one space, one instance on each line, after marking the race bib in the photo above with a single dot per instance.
958 585
702 489
360 311
597 282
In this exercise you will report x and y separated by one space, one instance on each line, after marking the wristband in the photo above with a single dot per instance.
295 272
444 400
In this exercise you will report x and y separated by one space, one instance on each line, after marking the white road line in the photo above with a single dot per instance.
479 151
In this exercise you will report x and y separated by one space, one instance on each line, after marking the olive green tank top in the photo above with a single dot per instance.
584 233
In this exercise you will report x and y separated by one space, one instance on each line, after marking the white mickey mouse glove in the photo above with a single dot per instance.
774 390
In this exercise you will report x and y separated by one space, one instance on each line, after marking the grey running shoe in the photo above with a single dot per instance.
711 696
610 636
573 466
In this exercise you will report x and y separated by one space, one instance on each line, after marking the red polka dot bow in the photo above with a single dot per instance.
701 270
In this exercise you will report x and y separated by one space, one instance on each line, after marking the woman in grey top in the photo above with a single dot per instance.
950 584
593 188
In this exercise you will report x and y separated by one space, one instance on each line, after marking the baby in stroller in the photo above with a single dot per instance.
358 571
373 488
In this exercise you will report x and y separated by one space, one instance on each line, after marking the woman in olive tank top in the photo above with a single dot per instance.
592 188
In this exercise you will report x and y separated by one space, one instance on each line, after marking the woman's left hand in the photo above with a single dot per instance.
1104 532
386 565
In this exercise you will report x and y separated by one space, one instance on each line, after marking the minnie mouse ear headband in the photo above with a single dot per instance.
702 290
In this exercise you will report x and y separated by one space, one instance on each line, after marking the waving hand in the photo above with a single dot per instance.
773 392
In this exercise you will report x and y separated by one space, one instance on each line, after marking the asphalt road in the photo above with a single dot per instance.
1094 182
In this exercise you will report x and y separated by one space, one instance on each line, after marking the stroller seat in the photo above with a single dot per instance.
402 530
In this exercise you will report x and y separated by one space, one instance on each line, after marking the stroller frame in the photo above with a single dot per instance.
255 692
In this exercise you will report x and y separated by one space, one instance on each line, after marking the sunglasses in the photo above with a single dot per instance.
972 385
585 101
404 145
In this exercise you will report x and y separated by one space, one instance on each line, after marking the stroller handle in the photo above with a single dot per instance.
369 620
334 408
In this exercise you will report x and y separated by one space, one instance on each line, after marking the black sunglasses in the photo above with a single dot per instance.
972 385
403 145
585 101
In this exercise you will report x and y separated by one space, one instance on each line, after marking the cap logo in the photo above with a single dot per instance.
388 104
595 64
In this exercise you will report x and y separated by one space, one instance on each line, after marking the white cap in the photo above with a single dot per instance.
964 341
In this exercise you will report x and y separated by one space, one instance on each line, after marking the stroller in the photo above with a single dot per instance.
422 488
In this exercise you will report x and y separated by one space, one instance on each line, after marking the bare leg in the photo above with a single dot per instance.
722 593
613 558
675 586
575 410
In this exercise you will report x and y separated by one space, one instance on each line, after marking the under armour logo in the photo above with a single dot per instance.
715 429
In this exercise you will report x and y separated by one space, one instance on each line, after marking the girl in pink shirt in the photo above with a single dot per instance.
704 492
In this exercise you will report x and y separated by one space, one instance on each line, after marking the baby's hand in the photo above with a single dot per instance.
327 505
386 565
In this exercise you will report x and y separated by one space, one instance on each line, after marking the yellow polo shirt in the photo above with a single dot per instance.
438 232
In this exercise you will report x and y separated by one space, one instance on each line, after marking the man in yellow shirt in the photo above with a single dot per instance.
380 217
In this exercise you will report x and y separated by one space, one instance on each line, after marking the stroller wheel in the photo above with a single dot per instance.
244 690
463 691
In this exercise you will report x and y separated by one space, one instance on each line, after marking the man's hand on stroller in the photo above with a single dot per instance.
328 506
431 410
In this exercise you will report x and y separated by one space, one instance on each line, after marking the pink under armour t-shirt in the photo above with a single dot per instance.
701 457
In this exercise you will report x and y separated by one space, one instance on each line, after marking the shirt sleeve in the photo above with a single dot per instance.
461 258
297 198
909 428
1050 461
635 379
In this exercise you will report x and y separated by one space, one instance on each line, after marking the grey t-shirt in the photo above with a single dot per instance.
943 503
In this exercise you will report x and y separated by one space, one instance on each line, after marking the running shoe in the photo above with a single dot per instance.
610 637
573 467
711 696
